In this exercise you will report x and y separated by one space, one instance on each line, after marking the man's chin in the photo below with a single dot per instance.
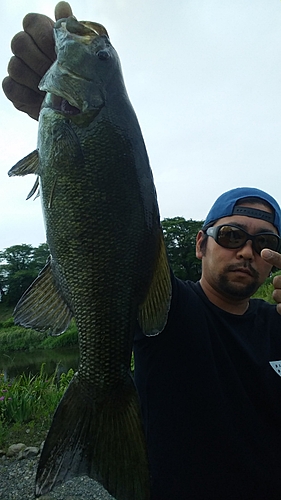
238 289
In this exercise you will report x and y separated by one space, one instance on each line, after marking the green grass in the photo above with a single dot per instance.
17 338
27 405
6 312
265 290
67 339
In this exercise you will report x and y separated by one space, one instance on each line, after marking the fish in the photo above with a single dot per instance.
108 265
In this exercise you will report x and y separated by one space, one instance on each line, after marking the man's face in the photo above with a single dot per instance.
236 273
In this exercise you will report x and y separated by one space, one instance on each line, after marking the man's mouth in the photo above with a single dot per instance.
243 270
246 269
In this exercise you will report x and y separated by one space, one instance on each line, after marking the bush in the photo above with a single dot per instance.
30 399
67 339
8 323
15 338
265 291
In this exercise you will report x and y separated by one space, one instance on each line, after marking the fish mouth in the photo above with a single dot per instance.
62 106
70 88
58 103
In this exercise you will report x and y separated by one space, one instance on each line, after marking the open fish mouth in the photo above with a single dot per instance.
72 88
61 104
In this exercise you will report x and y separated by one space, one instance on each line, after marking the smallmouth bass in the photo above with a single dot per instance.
108 266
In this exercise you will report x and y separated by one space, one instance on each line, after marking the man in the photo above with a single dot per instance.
209 390
210 383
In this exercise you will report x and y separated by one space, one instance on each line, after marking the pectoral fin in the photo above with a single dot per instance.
42 306
28 165
34 189
153 312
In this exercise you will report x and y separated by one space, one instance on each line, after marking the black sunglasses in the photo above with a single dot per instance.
229 236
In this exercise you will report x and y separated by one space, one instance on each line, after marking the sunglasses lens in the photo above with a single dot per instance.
266 241
231 237
235 237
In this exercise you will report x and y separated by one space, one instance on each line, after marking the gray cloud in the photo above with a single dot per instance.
205 80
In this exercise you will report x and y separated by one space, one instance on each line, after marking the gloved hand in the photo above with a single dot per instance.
34 52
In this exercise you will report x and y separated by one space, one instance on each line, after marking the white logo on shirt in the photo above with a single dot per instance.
276 365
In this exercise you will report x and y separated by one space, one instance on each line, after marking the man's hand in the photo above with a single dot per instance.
274 258
34 52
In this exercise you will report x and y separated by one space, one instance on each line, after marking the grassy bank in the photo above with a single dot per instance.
16 338
27 406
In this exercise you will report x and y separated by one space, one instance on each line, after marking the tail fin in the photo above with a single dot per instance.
100 436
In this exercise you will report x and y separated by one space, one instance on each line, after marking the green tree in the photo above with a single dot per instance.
40 256
19 266
13 260
180 238
17 257
18 283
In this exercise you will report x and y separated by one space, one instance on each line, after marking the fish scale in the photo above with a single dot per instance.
108 265
105 319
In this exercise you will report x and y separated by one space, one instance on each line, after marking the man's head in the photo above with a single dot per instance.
229 203
243 221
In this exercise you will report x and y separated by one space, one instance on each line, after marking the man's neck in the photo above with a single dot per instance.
228 304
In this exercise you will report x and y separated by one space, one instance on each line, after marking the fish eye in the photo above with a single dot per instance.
103 55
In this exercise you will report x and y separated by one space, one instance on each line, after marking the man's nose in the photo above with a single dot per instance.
246 251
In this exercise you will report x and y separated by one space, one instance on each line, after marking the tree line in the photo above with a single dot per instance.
20 264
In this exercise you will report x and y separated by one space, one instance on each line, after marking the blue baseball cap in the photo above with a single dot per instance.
225 206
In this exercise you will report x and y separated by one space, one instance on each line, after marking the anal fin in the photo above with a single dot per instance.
42 306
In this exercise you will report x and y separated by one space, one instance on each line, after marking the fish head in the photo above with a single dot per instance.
87 65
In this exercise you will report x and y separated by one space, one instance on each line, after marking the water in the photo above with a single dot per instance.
16 363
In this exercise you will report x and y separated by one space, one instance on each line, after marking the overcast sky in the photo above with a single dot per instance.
204 77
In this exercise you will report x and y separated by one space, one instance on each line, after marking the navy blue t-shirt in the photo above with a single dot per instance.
211 400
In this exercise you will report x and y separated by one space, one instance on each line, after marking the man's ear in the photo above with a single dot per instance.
199 238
